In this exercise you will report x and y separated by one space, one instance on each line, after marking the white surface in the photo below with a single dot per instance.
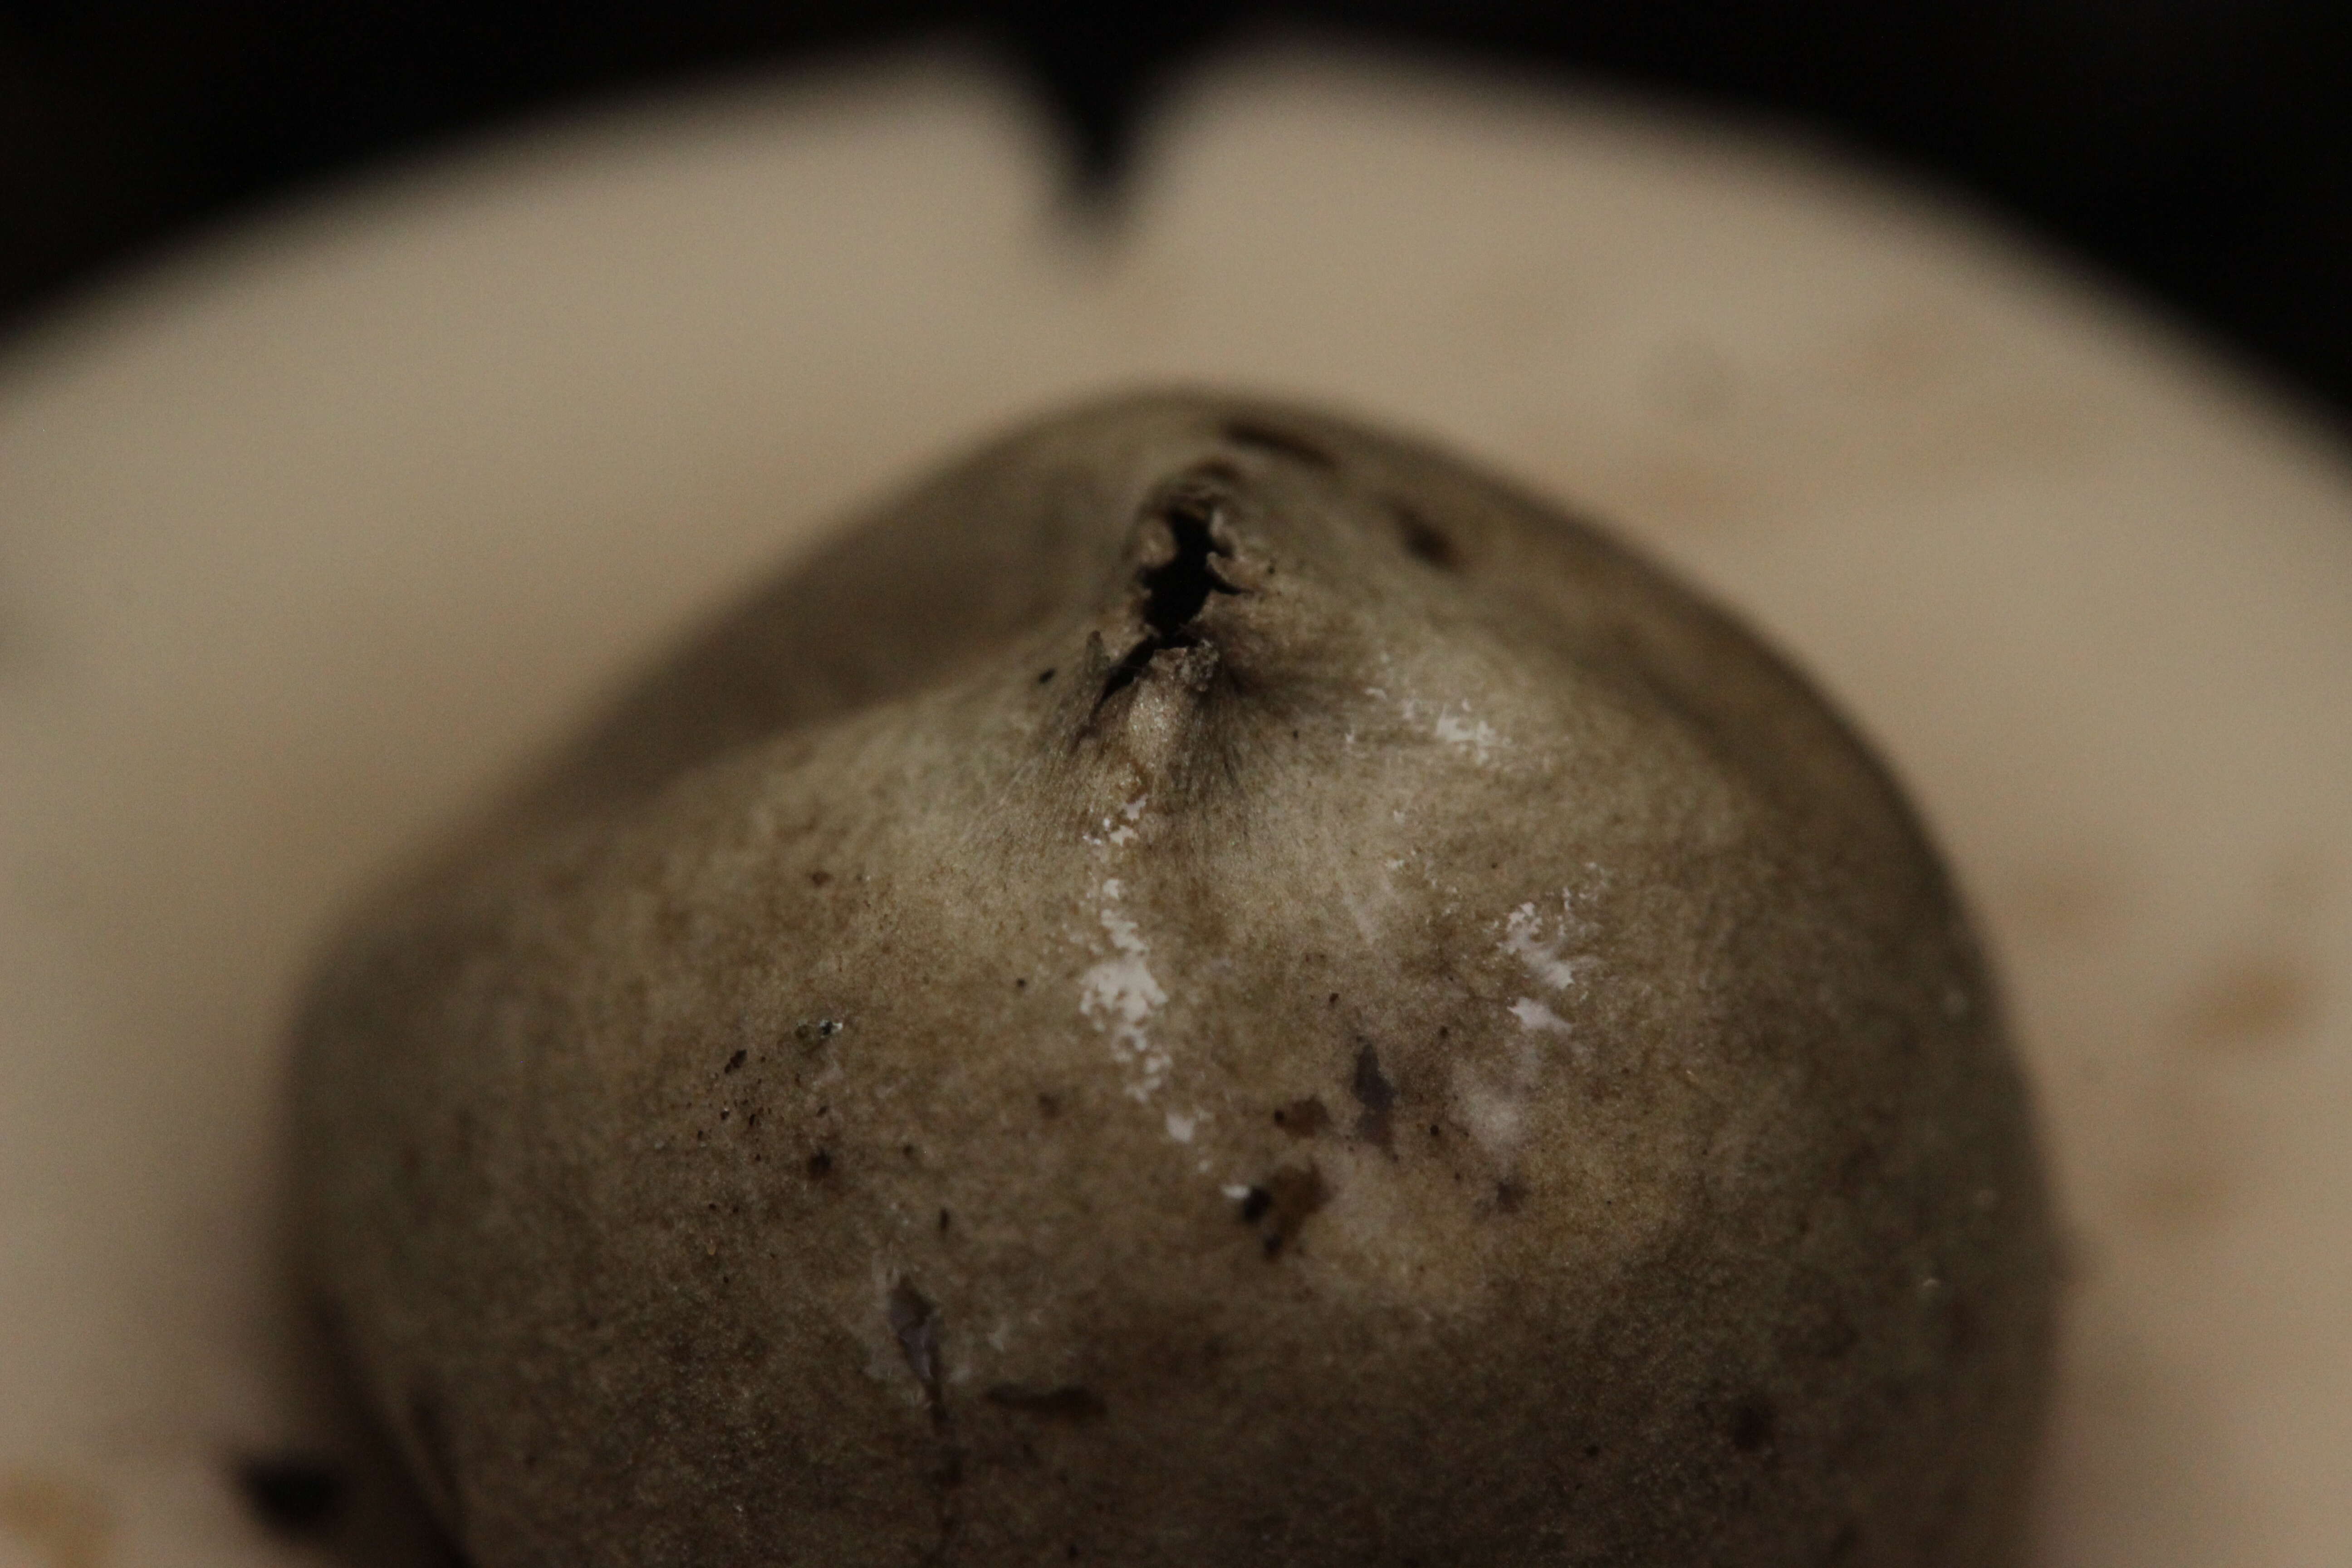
310 533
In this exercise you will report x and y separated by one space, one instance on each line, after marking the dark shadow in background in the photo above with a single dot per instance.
2200 148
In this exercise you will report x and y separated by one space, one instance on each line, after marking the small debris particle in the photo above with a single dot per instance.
817 1031
819 879
945 1220
820 1165
735 1063
1302 1118
1068 1402
1281 1205
1049 1106
1509 1197
1045 675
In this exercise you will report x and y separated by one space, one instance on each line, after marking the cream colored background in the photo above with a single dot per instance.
314 531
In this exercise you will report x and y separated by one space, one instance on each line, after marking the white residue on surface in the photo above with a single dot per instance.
1533 1014
1478 738
1524 940
1123 832
1181 1126
1494 1099
1119 994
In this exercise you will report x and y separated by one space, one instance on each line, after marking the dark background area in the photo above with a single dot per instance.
2199 149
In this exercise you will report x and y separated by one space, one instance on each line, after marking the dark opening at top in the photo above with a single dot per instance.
1177 591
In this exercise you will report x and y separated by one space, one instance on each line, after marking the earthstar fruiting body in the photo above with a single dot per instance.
1211 987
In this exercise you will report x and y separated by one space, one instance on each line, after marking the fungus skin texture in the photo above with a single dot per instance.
1209 987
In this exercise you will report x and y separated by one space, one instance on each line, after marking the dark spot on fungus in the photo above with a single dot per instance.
1302 1118
819 879
1283 1204
945 1220
1509 1197
814 1032
1423 540
915 1323
820 1165
1375 1093
1048 1106
293 1494
1022 984
1045 675
735 1062
1751 1425
1278 442
1068 1402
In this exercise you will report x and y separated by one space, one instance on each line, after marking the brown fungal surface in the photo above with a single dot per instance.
1345 1020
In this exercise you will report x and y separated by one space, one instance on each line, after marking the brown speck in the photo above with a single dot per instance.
1045 675
820 1165
819 879
1022 984
1068 1402
1302 1118
2248 1003
291 1494
1509 1197
61 1520
946 1219
735 1063
1049 1106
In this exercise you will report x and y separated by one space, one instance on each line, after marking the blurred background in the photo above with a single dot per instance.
2201 151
